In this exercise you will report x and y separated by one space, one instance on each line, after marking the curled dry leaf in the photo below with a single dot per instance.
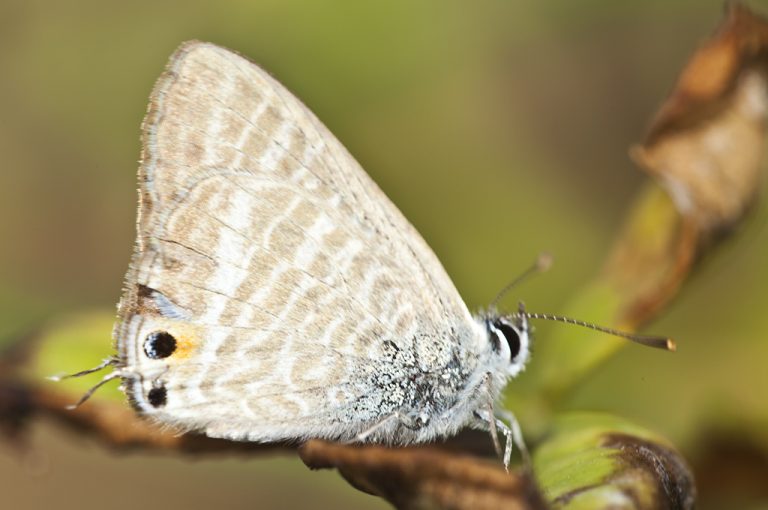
705 145
586 460
426 477
705 149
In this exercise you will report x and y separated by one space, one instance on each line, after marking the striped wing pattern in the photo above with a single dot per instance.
289 280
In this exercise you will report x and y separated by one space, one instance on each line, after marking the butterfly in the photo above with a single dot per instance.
276 293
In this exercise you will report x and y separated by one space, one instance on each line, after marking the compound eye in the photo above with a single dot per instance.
511 336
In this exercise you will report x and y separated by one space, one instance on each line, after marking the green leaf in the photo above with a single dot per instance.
593 461
70 344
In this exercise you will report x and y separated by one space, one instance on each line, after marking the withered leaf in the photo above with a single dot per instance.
427 477
705 144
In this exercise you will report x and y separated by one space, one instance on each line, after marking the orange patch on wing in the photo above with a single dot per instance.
187 337
185 346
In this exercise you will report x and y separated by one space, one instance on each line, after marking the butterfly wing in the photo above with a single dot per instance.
287 281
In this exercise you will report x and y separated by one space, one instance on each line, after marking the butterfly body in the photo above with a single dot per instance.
275 292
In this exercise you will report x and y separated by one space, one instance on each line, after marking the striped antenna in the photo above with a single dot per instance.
657 342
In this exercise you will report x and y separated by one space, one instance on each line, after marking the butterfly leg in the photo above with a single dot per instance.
111 361
494 432
492 424
394 417
487 422
515 433
512 434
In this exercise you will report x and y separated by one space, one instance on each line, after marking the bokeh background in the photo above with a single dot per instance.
500 128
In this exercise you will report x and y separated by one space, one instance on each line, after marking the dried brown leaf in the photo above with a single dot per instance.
705 144
705 147
426 477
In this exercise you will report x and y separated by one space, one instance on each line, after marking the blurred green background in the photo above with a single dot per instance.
500 128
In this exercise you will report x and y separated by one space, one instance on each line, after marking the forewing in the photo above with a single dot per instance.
280 268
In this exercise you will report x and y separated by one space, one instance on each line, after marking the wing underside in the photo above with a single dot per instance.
279 265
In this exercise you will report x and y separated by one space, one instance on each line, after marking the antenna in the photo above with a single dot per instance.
657 342
542 264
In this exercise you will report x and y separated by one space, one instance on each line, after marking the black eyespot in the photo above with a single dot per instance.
159 345
158 396
510 335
